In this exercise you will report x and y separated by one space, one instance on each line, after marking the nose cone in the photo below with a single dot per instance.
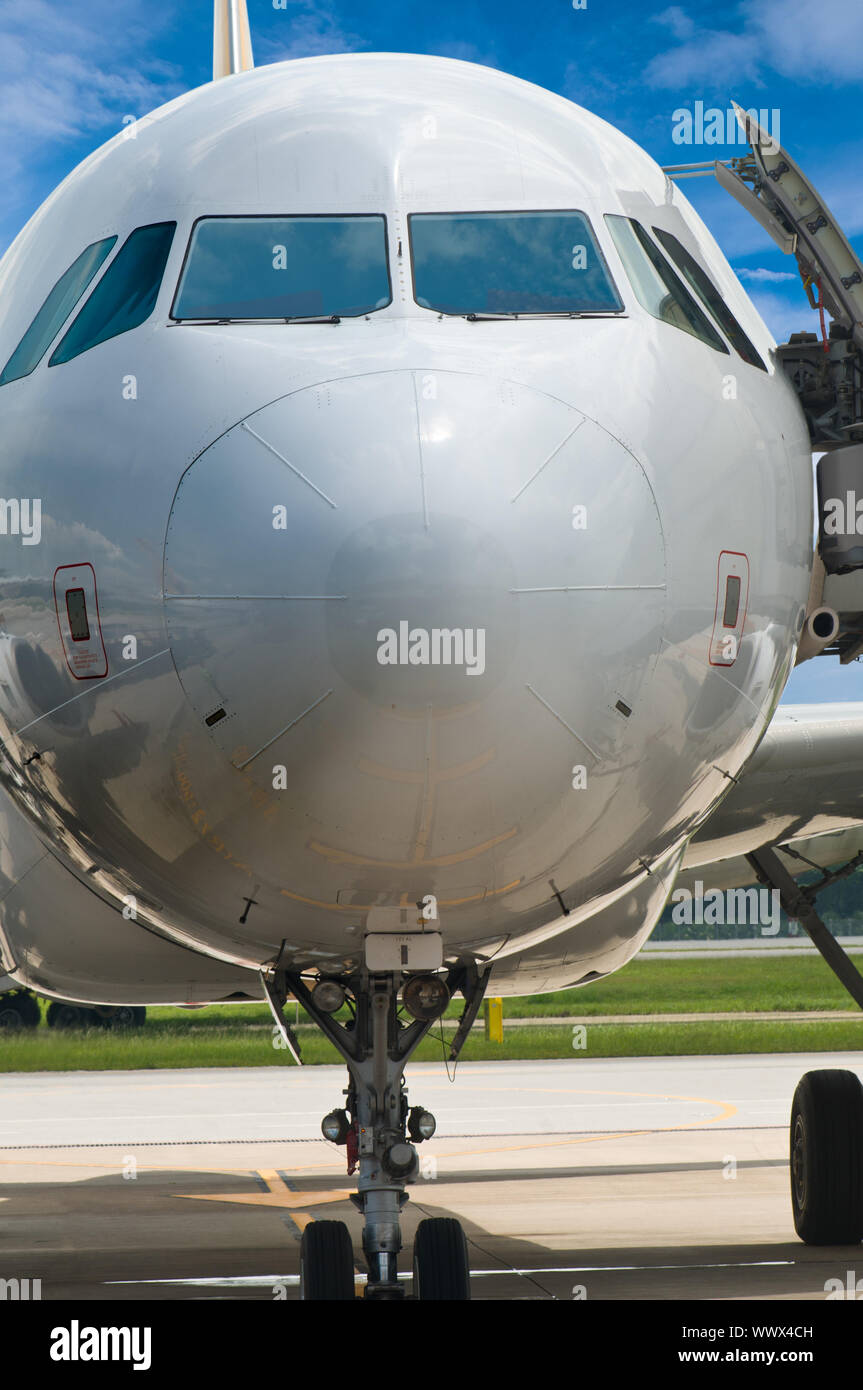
426 596
428 618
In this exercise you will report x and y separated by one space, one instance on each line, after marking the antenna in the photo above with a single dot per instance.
232 42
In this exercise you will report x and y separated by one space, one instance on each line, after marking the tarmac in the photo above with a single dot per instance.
618 1178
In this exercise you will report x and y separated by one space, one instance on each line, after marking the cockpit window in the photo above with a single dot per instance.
657 287
284 268
509 263
56 309
125 296
709 296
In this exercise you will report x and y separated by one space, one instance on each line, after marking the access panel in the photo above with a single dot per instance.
77 608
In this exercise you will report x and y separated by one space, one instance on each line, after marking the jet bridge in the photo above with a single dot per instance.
825 369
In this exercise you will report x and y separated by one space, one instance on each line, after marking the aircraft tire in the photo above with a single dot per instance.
127 1016
62 1015
827 1158
441 1264
19 1010
327 1262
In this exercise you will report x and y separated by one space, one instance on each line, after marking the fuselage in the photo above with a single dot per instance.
407 604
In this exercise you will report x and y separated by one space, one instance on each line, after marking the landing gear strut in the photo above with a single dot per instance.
376 1042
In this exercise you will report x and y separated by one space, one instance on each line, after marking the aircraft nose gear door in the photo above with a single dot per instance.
378 1128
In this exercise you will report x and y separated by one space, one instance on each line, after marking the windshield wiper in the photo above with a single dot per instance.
311 318
539 314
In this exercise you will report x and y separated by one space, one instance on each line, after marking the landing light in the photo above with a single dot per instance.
425 996
328 996
336 1126
421 1124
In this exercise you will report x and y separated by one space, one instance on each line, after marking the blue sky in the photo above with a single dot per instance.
69 73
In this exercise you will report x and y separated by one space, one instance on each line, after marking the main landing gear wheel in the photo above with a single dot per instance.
72 1016
18 1011
441 1265
327 1262
827 1158
127 1016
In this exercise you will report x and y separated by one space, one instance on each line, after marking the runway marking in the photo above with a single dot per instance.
327 1167
726 1110
292 1280
617 1269
275 1191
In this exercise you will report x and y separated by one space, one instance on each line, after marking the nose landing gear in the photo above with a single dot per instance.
376 1042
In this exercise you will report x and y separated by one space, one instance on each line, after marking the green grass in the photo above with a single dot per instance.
645 986
241 1035
172 1046
732 984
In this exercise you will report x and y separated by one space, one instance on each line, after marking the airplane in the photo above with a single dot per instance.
407 533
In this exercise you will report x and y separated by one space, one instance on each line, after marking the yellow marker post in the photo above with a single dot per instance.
494 1020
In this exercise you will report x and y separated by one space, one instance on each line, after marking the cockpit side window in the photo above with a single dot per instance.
509 263
125 296
710 297
282 268
657 287
56 309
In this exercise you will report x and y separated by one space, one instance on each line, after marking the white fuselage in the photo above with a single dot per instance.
430 473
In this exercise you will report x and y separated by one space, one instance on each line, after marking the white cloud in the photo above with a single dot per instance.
311 29
811 43
762 276
785 316
714 58
66 74
782 36
678 21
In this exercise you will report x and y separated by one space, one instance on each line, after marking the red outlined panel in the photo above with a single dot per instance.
77 607
732 603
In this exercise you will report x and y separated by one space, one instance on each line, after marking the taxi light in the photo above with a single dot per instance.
336 1127
328 996
425 996
421 1124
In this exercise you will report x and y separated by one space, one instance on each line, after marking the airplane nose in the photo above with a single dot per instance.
427 596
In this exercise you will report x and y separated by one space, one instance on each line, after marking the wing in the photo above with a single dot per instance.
802 789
